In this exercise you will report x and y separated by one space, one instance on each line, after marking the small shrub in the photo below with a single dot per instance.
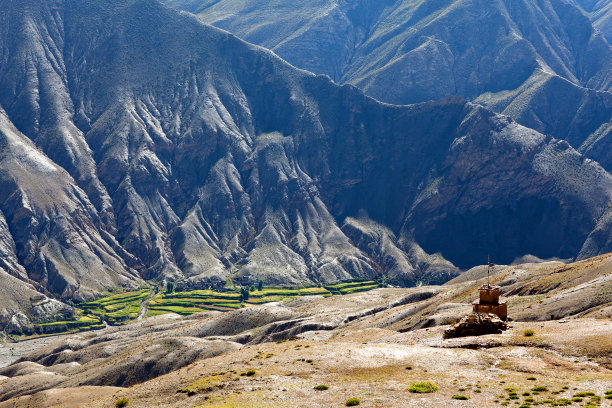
584 394
321 387
423 387
352 402
122 402
408 367
539 388
250 373
461 389
531 378
528 333
477 390
510 389
460 397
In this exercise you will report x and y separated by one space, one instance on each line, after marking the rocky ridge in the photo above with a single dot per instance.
541 63
143 144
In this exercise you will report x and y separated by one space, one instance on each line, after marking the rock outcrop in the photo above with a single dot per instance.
476 324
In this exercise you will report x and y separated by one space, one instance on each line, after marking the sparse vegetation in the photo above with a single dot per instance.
352 402
528 333
122 402
423 387
539 388
460 397
321 387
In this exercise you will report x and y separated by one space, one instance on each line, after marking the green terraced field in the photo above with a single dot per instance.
345 288
80 323
121 308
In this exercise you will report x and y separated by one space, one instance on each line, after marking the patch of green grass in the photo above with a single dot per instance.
460 397
539 388
352 402
321 387
423 387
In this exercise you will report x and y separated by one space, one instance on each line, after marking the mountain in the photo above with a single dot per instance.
600 13
140 143
540 62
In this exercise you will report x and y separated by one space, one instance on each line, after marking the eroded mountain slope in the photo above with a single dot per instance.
177 151
540 62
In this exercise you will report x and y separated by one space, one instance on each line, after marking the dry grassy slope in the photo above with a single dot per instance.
359 345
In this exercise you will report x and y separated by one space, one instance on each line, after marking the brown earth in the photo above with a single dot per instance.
359 345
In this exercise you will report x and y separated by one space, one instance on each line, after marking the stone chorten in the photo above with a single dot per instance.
489 299
489 302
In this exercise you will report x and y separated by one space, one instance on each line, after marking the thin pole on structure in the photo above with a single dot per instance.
488 271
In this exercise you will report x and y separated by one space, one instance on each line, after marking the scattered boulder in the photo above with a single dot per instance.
476 324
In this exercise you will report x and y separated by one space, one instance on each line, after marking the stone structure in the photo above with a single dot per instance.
489 302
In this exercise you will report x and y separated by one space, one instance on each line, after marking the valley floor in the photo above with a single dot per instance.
370 345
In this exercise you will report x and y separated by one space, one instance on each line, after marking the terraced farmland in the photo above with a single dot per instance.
121 308
186 303
117 309
79 323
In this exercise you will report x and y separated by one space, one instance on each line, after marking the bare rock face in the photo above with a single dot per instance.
138 142
476 324
543 64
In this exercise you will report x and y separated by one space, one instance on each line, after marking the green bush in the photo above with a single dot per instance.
423 387
250 373
321 387
528 333
460 397
352 402
539 388
122 402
